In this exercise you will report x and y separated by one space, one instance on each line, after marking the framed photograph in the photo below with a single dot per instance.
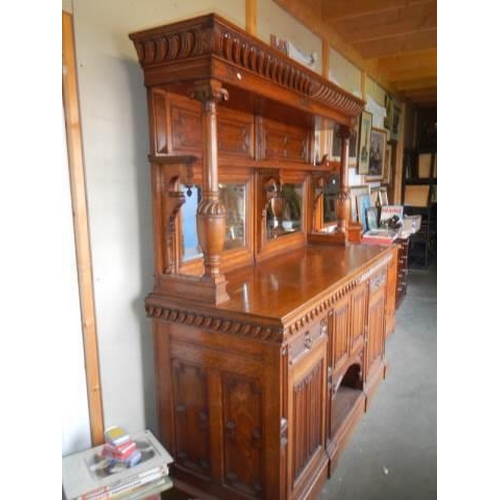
383 199
376 163
337 145
364 202
365 132
372 218
354 192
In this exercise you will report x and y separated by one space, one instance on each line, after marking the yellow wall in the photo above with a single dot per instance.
345 73
273 20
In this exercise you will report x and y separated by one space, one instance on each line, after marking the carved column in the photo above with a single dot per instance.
344 200
211 213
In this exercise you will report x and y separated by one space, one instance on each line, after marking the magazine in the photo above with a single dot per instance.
379 236
391 216
89 474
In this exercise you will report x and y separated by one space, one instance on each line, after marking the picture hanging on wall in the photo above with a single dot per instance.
376 163
365 131
337 145
394 131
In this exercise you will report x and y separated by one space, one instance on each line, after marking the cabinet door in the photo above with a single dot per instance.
359 299
306 411
375 340
340 332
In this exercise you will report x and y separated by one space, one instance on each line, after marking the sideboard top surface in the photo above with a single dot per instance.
278 287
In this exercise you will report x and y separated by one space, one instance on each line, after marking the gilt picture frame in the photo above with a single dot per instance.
365 131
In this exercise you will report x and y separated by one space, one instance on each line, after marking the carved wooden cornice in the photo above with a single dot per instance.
169 53
215 323
225 324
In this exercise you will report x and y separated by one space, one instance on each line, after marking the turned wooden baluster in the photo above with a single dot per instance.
211 213
344 200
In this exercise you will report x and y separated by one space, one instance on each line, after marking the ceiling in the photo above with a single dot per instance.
394 41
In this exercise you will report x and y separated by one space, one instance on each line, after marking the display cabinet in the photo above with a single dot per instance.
269 317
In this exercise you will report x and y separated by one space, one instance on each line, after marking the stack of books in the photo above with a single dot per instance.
379 236
127 467
119 448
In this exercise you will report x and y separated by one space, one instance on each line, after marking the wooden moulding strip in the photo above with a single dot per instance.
81 230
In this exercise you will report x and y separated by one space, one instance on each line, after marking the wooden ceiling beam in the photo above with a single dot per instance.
399 22
408 60
428 97
351 9
406 75
397 45
417 92
416 84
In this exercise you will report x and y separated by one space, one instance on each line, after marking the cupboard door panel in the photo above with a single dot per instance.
358 318
308 397
186 127
340 331
190 405
242 410
235 132
376 332
307 416
284 142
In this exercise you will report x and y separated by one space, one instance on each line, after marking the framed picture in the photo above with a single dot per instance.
354 192
372 218
383 199
376 164
374 198
389 112
364 202
365 132
394 130
337 145
388 164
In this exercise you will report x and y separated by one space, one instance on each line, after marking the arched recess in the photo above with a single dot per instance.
347 393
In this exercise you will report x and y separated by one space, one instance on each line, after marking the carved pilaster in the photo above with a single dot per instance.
211 213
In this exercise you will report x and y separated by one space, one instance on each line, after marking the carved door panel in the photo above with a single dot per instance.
391 294
340 332
306 413
359 298
375 341
242 412
192 436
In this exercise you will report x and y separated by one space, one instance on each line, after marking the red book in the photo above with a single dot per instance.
120 453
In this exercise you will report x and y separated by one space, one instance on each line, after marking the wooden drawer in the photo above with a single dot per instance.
306 340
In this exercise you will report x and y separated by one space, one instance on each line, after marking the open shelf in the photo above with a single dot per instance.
344 403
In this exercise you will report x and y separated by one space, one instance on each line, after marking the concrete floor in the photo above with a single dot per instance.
392 454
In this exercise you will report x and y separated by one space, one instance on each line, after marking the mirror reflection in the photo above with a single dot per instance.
284 210
234 198
190 248
330 194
